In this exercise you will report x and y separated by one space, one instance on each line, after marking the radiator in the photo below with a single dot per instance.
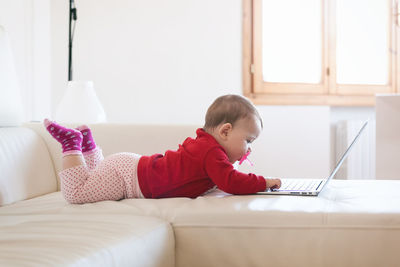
360 164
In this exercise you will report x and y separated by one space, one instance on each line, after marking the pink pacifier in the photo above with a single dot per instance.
245 158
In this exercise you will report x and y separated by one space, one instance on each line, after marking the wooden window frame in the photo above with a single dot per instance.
325 93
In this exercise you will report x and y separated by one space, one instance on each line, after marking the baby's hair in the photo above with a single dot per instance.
229 109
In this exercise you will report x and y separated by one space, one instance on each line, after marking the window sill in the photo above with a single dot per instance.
322 100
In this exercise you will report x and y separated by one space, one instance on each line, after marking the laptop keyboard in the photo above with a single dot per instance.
299 184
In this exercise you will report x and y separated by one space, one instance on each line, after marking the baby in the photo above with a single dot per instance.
232 123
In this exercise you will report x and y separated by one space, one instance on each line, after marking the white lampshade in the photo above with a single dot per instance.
80 104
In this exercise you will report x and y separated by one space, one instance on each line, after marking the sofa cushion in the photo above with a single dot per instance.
352 223
26 166
85 240
47 231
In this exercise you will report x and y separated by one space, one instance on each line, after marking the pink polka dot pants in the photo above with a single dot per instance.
112 178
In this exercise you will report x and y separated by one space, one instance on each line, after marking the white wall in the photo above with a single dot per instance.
338 114
387 136
152 61
163 62
28 25
294 143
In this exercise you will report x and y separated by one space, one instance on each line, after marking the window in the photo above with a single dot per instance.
319 52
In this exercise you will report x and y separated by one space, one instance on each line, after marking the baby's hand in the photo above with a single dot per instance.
273 183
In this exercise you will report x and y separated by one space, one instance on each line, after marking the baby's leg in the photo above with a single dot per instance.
114 178
70 161
80 185
93 158
92 154
109 179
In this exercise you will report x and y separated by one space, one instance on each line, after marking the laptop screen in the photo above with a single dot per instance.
346 153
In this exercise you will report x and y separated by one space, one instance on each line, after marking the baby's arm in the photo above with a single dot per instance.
273 183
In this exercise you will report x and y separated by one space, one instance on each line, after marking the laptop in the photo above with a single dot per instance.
311 187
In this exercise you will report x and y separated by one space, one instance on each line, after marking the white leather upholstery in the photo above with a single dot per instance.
352 223
26 168
94 239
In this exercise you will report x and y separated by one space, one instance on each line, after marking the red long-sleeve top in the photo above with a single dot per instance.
196 167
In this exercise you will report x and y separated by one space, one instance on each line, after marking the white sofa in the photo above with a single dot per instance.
351 223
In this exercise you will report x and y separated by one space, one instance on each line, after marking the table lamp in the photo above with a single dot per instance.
79 103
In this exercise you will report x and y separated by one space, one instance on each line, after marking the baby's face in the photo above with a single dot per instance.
240 138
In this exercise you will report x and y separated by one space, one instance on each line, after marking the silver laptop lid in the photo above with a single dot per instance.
346 153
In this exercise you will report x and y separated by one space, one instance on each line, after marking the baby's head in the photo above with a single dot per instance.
234 122
229 109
